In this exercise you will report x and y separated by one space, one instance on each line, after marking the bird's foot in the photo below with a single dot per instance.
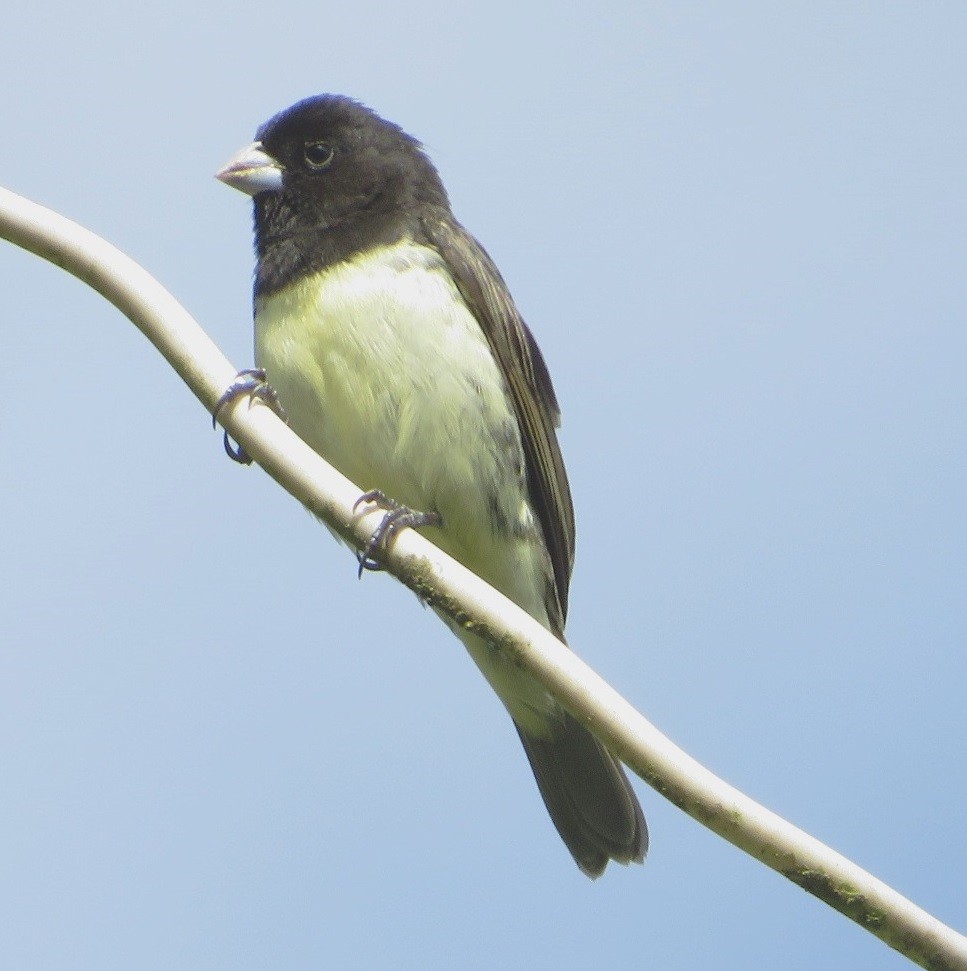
397 517
250 381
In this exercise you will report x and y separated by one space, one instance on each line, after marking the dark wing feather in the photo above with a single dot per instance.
523 367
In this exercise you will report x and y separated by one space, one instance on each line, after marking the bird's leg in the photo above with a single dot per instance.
397 517
250 381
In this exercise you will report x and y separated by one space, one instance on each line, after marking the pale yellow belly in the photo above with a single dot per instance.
386 373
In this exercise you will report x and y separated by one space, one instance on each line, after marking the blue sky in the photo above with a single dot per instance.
738 234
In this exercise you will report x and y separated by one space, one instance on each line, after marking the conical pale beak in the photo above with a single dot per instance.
252 170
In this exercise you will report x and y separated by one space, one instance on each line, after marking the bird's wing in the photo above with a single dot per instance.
529 381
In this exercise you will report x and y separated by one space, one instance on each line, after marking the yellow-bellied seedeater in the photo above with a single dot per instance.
398 354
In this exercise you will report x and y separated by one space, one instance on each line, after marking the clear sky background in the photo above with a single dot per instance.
738 232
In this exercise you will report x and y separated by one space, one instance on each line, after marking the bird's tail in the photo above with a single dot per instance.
587 795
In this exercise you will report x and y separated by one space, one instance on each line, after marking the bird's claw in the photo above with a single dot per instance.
249 381
397 517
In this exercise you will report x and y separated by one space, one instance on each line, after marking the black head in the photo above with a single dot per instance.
349 181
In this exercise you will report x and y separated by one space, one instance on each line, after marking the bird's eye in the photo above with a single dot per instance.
317 154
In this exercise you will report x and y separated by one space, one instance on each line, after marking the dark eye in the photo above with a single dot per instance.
317 154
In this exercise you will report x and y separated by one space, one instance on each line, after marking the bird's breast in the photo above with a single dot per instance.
384 370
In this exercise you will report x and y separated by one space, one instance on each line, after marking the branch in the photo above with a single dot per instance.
445 584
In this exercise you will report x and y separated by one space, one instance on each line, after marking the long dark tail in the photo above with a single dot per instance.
588 796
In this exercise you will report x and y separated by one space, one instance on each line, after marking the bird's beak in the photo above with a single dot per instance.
252 170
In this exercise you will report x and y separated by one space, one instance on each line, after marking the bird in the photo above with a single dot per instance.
392 342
